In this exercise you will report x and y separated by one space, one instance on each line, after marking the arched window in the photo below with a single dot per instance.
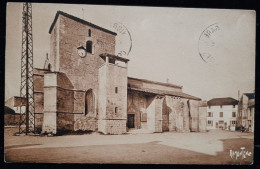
89 46
89 33
49 66
89 102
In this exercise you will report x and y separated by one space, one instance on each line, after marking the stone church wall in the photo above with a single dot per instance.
67 35
136 104
194 112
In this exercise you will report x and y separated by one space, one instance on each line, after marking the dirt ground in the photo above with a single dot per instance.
212 147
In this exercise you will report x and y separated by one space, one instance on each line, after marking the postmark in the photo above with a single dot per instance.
207 43
123 39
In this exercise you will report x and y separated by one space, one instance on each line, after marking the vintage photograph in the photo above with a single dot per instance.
107 84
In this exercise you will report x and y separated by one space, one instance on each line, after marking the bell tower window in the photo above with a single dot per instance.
89 33
89 46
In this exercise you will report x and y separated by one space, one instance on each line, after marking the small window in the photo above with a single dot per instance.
220 114
116 110
233 114
89 46
89 33
116 89
210 114
221 122
144 117
234 106
210 123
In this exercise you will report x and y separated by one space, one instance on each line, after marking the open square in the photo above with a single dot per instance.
212 147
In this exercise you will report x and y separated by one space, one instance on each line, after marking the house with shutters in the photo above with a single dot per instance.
222 113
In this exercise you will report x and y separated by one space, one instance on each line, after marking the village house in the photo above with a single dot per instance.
222 113
81 87
246 111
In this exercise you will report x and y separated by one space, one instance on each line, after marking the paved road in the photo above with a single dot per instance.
159 148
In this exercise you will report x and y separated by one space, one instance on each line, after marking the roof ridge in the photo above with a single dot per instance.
168 84
78 20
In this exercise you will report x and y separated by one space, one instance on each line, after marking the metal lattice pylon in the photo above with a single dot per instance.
27 107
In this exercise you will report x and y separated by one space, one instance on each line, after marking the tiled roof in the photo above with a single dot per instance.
114 57
78 20
163 92
154 82
222 101
250 95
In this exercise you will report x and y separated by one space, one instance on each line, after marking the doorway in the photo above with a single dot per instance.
131 121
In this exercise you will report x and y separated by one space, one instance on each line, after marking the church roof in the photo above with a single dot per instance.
164 92
78 20
250 95
114 57
222 101
154 82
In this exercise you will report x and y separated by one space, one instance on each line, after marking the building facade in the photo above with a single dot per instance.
246 111
222 114
84 86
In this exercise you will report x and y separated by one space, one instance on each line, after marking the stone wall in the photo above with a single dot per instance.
39 102
136 104
202 116
38 121
83 122
65 121
50 103
79 102
67 35
194 113
175 107
116 77
102 97
112 113
186 116
65 100
150 109
158 113
11 119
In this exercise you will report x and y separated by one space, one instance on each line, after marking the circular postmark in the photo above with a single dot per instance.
207 43
123 39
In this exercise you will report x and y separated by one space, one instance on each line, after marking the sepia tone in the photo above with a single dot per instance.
84 86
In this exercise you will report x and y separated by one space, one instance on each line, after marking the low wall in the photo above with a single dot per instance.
11 119
117 126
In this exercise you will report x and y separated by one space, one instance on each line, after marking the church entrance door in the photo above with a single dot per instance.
131 121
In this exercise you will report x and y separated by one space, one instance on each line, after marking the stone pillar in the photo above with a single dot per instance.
50 104
158 113
194 111
186 117
202 116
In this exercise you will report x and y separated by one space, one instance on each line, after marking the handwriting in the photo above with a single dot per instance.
236 154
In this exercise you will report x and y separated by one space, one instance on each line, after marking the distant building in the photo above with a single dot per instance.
246 111
15 103
12 110
221 113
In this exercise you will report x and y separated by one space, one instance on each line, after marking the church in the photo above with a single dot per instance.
85 86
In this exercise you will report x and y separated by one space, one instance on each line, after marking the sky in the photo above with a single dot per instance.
166 44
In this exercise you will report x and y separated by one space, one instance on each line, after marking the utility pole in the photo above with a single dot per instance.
27 107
